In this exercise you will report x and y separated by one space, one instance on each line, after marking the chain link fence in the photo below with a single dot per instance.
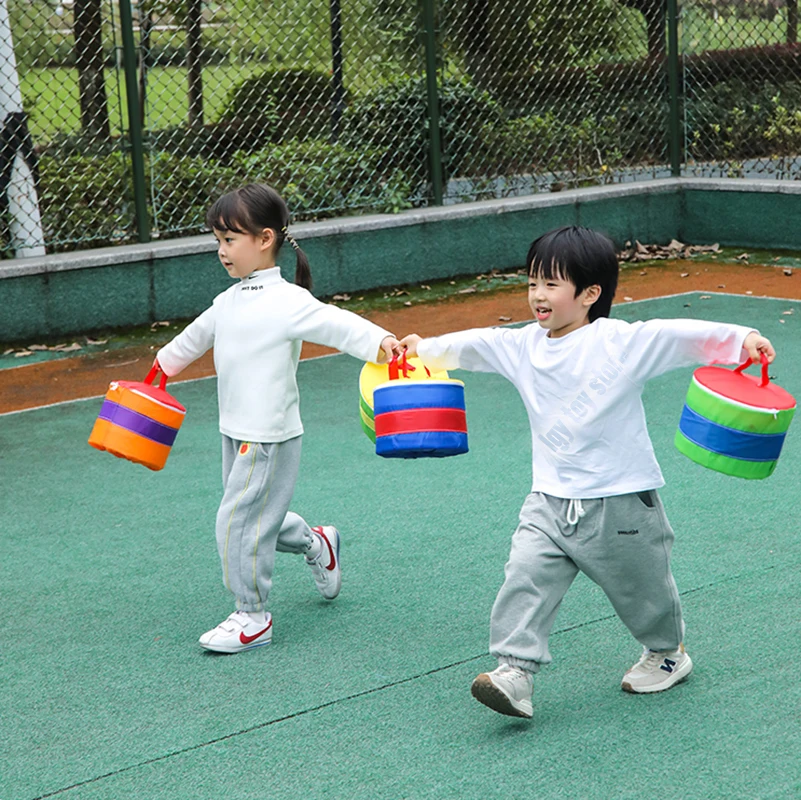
742 92
332 101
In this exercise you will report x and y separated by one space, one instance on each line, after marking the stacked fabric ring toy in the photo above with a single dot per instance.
735 423
138 421
414 414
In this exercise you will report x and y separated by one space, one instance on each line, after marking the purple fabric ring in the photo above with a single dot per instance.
137 423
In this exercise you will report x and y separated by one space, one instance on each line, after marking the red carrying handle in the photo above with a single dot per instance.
764 359
163 381
395 369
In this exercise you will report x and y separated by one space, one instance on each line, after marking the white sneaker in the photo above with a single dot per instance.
238 632
657 670
506 690
325 567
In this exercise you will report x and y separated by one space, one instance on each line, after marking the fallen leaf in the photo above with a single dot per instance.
685 274
468 290
96 342
704 297
505 319
341 297
749 292
743 257
787 271
782 321
721 286
427 288
67 348
643 273
408 303
8 352
22 353
785 313
35 347
628 299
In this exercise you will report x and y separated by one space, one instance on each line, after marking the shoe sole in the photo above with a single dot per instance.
214 648
680 676
487 693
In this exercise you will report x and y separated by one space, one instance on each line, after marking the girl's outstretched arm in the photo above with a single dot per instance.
390 347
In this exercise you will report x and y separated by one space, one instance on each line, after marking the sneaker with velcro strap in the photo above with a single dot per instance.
507 690
657 670
237 633
325 565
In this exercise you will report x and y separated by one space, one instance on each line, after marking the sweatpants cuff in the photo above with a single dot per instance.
529 666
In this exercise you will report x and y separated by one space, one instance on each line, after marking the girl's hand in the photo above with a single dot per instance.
755 345
390 347
410 343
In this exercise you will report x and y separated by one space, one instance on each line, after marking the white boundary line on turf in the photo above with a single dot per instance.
333 355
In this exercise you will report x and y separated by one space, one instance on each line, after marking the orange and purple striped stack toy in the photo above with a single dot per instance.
138 421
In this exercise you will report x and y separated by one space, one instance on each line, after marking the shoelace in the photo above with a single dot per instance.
575 511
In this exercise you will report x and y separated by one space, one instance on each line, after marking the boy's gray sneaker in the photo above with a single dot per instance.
506 690
657 670
325 568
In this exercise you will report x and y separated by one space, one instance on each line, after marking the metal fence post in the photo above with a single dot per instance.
134 122
673 66
432 90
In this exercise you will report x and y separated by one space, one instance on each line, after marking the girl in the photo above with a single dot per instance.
256 328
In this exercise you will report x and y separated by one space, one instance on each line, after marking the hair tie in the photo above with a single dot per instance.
290 238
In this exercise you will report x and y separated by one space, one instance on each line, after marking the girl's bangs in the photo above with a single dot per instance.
228 214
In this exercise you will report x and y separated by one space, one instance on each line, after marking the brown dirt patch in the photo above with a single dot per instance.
89 375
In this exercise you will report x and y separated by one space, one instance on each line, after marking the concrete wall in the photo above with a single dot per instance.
137 284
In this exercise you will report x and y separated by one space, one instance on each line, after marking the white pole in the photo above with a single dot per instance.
27 237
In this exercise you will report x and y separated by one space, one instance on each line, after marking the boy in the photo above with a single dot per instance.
593 505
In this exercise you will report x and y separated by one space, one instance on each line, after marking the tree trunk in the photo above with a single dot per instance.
194 60
655 14
19 202
792 21
145 29
496 38
88 30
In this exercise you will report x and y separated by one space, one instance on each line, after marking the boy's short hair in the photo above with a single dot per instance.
579 255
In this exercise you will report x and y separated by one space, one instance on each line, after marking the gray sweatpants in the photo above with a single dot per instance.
254 520
622 543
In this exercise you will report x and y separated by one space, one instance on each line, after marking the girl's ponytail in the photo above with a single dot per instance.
303 275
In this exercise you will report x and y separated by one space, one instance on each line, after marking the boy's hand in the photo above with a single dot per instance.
410 343
755 345
390 347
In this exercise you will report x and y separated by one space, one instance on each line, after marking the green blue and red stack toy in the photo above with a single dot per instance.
735 423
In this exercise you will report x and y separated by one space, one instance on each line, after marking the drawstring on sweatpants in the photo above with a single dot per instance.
575 511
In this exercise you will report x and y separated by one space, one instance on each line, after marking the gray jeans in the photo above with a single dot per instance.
254 520
622 543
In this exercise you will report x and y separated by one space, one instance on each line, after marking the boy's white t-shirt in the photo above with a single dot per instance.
583 392
257 328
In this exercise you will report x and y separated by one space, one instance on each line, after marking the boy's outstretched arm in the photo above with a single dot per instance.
755 345
410 342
